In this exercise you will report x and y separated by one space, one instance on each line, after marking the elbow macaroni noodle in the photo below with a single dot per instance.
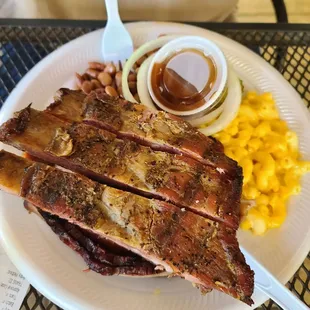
268 152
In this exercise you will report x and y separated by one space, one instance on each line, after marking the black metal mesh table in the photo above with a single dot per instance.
287 47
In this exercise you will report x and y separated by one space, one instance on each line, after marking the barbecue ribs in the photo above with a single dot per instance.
125 164
184 243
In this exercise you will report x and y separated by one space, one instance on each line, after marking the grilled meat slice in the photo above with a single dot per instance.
159 130
126 164
201 250
95 256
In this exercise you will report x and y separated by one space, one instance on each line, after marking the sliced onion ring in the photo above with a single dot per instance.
207 118
141 51
142 88
230 106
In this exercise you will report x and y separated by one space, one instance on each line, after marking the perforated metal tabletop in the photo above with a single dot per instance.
285 46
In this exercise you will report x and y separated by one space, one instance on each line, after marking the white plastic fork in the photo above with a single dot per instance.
116 43
268 284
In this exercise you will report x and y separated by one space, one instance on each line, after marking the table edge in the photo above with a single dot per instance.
101 23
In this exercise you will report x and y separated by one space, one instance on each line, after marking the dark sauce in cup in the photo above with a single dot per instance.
185 80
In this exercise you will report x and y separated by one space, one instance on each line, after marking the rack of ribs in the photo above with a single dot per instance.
186 244
158 130
125 164
96 255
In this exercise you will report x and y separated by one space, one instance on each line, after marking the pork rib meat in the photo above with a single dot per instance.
184 243
125 164
159 130
95 256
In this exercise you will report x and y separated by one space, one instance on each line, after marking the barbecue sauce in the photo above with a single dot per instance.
185 80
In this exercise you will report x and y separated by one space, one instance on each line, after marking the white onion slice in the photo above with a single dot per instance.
142 88
141 51
207 118
230 106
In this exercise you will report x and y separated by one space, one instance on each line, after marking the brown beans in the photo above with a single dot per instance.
114 84
79 80
96 65
132 87
132 77
87 87
111 91
110 68
85 77
92 72
105 78
118 78
96 84
140 60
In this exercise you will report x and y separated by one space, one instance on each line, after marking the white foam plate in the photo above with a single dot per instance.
57 272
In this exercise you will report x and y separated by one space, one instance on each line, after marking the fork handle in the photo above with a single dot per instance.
281 295
268 284
112 10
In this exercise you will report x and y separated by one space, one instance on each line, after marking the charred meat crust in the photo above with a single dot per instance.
201 250
63 192
170 237
159 130
244 274
190 244
127 165
135 268
16 125
95 256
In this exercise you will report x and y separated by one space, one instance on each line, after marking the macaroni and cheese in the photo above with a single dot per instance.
267 151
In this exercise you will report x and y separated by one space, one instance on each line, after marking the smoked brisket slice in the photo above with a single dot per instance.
95 255
201 250
158 130
125 164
